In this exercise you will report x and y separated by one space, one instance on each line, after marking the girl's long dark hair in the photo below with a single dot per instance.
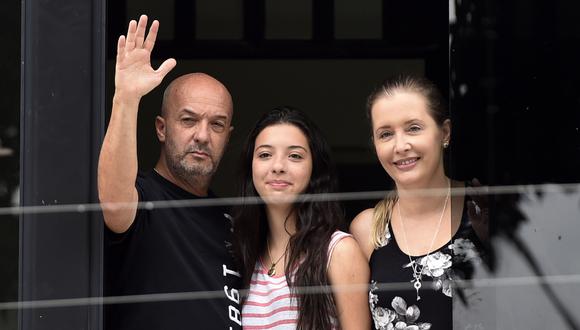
315 223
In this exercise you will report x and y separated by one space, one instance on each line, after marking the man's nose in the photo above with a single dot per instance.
202 132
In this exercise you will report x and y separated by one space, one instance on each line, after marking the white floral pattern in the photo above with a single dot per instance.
465 250
435 264
438 266
400 317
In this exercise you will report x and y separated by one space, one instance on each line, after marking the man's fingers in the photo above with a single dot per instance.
152 36
166 66
130 42
120 48
140 35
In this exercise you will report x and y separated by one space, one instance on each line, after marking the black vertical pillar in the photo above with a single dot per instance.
323 20
117 21
185 20
62 115
254 20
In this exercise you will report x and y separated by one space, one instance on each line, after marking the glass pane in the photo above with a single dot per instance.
219 19
288 19
514 105
356 20
163 11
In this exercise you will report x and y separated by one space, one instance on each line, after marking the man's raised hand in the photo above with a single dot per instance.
134 75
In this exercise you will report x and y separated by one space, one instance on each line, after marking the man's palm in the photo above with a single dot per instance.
134 73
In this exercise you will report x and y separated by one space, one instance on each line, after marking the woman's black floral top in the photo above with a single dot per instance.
392 297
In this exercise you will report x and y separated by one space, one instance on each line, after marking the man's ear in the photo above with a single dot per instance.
160 128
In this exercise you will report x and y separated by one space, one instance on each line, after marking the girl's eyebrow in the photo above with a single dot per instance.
263 146
290 147
297 147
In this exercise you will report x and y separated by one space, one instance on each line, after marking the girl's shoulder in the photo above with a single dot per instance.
343 251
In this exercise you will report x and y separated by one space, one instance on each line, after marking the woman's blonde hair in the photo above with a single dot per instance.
382 215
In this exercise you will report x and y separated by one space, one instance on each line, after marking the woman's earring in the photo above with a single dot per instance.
445 144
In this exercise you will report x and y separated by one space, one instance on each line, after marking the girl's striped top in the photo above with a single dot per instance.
270 304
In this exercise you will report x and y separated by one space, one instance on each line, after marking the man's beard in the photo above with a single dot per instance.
186 168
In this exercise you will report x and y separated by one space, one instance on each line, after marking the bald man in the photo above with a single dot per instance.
172 251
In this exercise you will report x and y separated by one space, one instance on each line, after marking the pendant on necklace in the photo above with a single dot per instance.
272 270
416 277
417 286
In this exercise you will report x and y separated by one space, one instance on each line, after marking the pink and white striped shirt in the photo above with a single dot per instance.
270 305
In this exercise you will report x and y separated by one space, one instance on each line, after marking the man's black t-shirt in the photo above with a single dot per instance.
172 250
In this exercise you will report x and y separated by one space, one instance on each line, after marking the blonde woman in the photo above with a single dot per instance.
420 235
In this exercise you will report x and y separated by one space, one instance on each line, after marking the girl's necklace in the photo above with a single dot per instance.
272 269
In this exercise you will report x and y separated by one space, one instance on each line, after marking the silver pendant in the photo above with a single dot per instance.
417 286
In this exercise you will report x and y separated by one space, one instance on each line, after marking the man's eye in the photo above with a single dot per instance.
218 126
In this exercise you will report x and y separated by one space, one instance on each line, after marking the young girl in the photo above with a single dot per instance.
419 236
290 248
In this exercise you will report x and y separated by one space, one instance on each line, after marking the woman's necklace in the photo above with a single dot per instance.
272 269
417 268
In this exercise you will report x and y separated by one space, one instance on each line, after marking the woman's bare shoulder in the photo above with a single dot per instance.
360 228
